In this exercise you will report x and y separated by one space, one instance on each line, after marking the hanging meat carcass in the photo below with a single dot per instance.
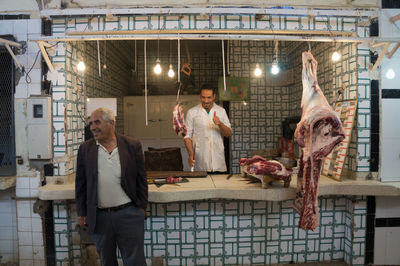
318 132
178 121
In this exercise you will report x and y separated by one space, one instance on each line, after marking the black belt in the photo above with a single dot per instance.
116 208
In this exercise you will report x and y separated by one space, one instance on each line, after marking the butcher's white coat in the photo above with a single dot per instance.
206 137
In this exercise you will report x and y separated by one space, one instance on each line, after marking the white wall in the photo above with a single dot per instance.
21 239
8 227
387 239
390 126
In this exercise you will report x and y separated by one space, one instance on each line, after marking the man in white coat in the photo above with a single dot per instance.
207 124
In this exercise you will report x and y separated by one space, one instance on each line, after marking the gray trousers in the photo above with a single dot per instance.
123 228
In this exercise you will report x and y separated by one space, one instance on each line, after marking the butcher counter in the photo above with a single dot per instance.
218 221
236 187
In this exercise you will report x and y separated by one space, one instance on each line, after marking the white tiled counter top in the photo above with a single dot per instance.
237 187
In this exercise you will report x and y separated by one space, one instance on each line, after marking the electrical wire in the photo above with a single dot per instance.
28 79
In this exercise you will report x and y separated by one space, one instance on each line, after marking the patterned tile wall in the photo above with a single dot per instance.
114 81
257 124
215 21
357 79
331 76
231 232
70 86
356 214
206 67
345 74
68 252
235 232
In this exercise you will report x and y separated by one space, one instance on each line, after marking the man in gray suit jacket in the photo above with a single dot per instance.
111 191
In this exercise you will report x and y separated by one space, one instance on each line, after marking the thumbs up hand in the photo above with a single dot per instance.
216 119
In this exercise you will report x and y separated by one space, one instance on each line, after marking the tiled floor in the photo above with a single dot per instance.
337 263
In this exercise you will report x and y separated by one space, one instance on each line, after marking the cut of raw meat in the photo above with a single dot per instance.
255 158
318 132
258 165
272 168
179 121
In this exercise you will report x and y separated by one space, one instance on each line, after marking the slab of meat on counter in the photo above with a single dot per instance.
179 121
255 158
318 132
258 165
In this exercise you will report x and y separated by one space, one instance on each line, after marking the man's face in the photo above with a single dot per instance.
207 99
101 129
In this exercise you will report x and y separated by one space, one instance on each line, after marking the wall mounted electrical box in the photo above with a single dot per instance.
40 138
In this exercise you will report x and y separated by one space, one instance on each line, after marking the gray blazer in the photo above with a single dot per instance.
133 176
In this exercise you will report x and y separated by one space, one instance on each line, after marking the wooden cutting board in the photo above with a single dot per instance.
161 174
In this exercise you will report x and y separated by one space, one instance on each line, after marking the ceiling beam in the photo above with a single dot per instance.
254 37
7 44
381 55
41 45
87 12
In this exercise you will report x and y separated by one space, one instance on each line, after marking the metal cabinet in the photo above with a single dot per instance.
159 112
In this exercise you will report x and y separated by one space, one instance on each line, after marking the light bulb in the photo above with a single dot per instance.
335 56
157 68
244 103
171 72
81 66
275 68
257 71
390 74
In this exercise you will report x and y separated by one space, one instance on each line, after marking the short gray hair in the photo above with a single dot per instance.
106 113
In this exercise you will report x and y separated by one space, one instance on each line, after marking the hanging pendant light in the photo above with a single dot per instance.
335 56
81 66
171 72
157 69
275 66
257 71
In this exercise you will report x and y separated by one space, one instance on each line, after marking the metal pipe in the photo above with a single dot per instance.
145 82
98 57
223 63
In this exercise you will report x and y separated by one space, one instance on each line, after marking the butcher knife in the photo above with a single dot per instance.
194 152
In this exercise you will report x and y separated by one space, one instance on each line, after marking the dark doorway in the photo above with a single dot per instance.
7 136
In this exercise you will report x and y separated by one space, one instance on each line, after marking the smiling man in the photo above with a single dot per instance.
207 124
111 191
